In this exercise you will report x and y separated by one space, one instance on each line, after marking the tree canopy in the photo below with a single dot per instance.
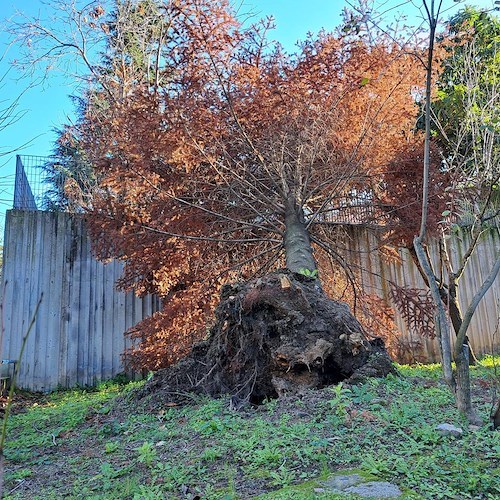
219 155
467 105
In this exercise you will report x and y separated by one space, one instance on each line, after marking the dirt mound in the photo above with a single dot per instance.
275 335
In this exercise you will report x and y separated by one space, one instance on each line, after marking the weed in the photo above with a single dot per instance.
375 465
271 405
282 477
110 429
269 455
21 474
150 492
172 476
361 394
384 427
340 401
212 454
147 454
309 273
111 446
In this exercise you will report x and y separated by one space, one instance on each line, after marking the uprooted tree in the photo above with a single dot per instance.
219 155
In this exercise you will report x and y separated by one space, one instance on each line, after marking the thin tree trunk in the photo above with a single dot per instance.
298 250
449 299
462 393
442 328
441 320
456 321
495 416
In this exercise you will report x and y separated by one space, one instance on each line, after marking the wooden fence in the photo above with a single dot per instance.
377 272
78 336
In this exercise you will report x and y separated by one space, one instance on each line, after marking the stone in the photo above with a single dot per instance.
354 483
379 401
340 483
375 489
449 430
303 414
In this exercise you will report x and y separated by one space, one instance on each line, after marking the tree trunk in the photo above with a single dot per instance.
448 298
495 416
456 321
462 394
298 250
440 316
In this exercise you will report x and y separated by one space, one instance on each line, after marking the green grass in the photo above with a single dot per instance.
77 444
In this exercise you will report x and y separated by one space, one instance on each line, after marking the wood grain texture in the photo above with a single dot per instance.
78 337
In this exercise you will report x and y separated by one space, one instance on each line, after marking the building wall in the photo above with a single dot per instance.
77 338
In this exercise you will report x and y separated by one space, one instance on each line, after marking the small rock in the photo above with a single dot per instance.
375 489
474 428
342 482
352 483
285 282
379 401
161 443
449 430
319 490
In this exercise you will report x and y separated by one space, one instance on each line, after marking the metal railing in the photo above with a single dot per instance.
32 187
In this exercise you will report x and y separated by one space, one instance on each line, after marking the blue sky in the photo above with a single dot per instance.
48 106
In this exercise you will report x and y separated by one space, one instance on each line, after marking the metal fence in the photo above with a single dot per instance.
31 182
24 198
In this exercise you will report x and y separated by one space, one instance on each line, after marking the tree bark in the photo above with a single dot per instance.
462 393
495 417
456 321
298 250
440 317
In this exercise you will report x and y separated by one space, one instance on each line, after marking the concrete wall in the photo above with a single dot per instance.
78 335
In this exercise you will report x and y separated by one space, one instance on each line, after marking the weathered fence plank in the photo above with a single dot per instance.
78 335
376 273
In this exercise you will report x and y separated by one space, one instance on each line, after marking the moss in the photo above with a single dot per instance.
309 489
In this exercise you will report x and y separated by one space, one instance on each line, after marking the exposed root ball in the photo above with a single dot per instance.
275 335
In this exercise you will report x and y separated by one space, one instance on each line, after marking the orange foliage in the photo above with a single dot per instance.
194 171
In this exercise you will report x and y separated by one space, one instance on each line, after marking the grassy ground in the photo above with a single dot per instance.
81 444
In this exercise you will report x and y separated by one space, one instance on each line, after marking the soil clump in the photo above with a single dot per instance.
273 336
